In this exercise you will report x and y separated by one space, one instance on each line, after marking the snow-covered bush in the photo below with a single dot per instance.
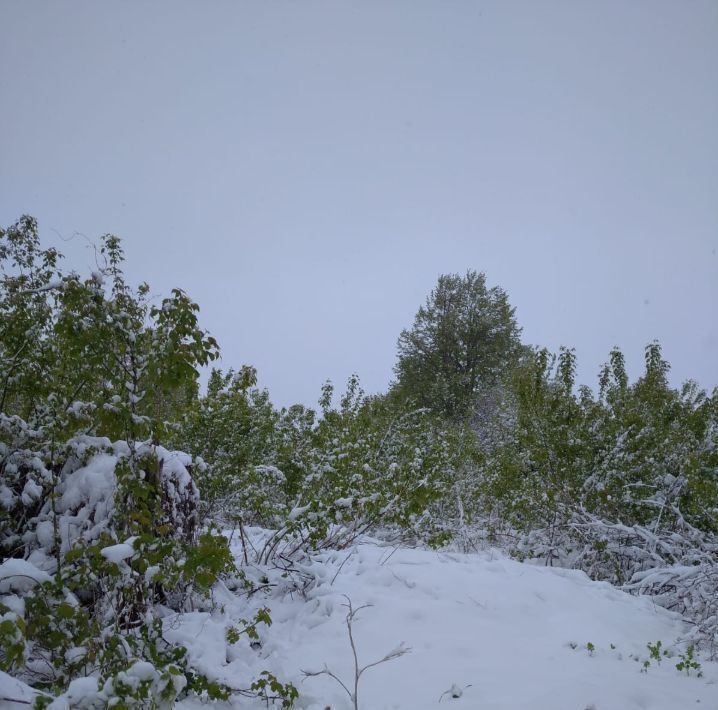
319 480
236 432
99 523
621 484
371 466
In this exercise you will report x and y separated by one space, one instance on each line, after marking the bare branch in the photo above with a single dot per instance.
358 671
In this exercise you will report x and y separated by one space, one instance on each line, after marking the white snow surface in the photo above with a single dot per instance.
499 634
20 576
86 499
11 690
117 553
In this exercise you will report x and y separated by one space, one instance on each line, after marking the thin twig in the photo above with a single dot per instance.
358 671
351 552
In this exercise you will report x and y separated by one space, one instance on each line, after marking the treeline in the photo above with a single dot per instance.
484 440
497 436
480 440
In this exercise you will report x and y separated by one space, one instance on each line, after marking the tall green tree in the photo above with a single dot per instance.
463 341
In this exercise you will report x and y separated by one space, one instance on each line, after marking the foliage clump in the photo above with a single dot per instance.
99 523
463 341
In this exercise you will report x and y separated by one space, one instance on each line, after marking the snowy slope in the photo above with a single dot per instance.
501 631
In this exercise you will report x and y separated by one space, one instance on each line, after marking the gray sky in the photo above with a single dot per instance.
305 170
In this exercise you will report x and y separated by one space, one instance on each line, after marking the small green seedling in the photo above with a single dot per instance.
657 651
689 663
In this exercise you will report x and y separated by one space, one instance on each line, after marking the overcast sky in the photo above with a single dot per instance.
306 170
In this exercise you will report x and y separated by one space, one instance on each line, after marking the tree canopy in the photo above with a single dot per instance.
464 339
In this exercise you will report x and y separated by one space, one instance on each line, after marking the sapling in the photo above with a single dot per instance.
358 670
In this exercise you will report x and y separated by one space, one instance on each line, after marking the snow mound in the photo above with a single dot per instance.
87 500
19 576
14 694
485 632
118 553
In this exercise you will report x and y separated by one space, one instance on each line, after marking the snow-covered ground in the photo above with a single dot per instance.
503 635
484 632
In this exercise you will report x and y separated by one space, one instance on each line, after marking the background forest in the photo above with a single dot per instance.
481 441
